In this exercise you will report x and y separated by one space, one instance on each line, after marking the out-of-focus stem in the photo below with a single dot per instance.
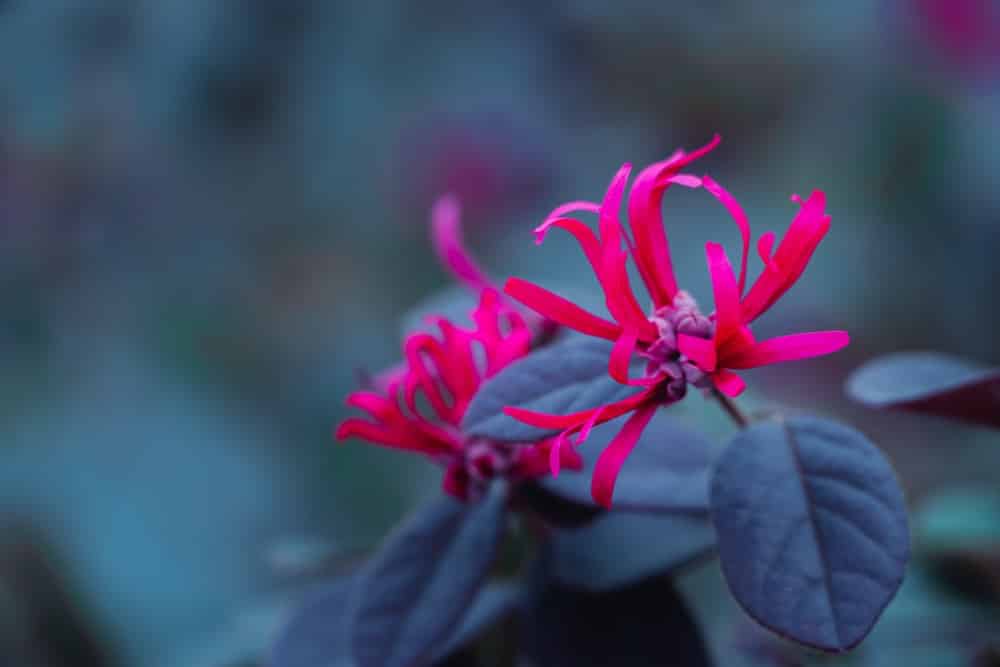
732 409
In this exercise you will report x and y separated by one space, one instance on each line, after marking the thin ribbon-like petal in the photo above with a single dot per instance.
808 228
394 436
557 455
765 248
621 355
651 249
739 217
724 288
560 310
610 462
577 420
620 298
788 348
583 234
446 236
609 227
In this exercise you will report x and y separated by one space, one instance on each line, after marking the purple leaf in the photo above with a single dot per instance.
931 383
561 378
667 472
412 593
812 529
620 549
316 634
493 603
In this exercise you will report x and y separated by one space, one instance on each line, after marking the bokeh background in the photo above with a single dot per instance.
213 216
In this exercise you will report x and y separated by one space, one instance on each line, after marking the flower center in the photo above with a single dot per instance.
680 317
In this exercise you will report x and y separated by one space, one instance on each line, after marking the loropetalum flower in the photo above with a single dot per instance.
679 344
418 406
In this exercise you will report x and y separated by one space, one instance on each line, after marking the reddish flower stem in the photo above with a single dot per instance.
732 409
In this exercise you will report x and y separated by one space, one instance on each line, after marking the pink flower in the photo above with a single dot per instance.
966 33
679 344
418 405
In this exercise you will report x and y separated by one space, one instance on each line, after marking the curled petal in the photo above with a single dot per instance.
788 348
560 310
573 207
621 355
535 460
559 454
724 288
421 378
610 462
808 228
500 349
609 226
684 159
575 421
687 180
651 250
446 236
394 436
582 233
739 217
765 248
555 453
619 297
728 383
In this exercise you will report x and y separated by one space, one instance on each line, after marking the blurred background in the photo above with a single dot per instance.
213 216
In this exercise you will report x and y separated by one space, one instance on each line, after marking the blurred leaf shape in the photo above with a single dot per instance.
620 549
667 471
412 593
812 529
928 626
959 529
317 633
643 624
930 383
562 378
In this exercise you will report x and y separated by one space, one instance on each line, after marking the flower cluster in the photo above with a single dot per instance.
679 344
418 406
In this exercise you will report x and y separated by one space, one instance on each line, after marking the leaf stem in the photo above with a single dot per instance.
731 409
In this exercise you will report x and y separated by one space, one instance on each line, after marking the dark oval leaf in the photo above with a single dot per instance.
412 593
666 472
644 624
812 529
564 377
620 549
316 634
931 383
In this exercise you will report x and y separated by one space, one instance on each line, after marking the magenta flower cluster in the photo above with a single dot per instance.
419 405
